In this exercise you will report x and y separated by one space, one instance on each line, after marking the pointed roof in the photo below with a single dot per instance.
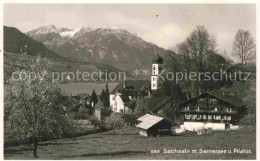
158 59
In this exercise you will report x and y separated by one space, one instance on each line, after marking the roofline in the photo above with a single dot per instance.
211 94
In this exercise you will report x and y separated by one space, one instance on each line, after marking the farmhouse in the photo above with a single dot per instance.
151 125
216 110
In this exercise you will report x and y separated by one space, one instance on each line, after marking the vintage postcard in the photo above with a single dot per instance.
130 81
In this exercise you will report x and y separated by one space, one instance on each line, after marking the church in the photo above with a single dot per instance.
123 97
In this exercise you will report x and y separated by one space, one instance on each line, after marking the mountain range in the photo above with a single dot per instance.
113 46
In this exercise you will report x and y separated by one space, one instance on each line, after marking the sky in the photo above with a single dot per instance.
173 24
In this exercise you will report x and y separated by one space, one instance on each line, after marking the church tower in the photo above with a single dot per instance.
156 70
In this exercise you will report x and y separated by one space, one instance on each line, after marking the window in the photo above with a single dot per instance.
218 117
187 116
228 117
153 68
154 78
213 100
210 117
154 85
194 117
187 108
202 100
214 117
223 117
204 117
199 116
215 109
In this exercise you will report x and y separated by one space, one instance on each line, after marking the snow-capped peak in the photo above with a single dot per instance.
43 30
64 32
114 28
77 32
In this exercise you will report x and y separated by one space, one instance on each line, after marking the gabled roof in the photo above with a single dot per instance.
227 98
219 95
148 121
135 85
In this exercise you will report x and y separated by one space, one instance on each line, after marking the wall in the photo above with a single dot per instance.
111 99
192 126
143 132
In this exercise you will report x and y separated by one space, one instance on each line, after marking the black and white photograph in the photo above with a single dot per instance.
129 81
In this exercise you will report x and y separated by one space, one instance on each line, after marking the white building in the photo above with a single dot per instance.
156 70
124 95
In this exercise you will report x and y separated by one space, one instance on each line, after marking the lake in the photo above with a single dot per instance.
77 88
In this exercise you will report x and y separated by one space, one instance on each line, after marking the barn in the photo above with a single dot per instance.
151 125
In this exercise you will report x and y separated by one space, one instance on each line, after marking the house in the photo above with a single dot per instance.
215 110
151 125
124 95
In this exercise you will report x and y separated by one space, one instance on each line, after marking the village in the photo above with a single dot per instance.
121 81
132 108
203 114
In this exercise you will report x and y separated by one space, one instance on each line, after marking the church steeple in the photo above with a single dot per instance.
156 70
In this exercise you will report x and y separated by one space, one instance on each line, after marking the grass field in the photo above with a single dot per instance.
127 144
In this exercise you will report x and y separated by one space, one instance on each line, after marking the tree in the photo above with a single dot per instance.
102 95
244 47
114 122
250 102
141 107
105 100
94 98
34 105
191 56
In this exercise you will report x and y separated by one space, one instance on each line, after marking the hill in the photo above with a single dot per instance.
14 39
61 65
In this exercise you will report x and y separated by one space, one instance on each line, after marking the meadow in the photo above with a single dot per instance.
127 144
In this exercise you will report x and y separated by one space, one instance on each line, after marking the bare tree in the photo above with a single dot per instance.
194 51
244 46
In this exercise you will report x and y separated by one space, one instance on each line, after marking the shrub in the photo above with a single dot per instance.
129 119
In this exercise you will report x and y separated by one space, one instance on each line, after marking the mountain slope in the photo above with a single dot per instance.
14 39
113 46
65 66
